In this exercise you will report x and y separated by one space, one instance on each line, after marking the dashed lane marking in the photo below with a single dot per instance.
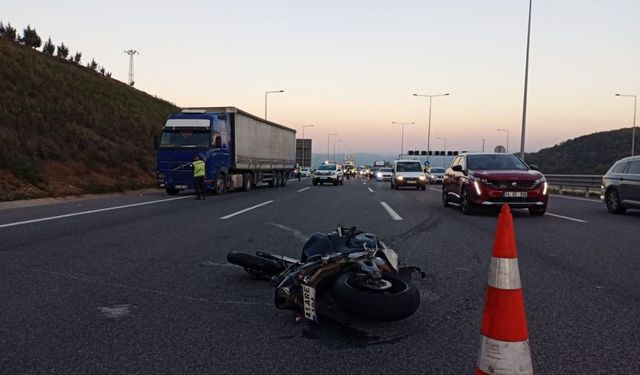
303 189
92 211
434 189
245 210
370 189
577 199
394 215
566 217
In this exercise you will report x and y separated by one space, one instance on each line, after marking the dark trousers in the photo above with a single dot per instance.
198 183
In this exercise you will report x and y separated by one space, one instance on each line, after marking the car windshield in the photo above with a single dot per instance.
495 162
327 167
184 139
437 170
385 169
408 167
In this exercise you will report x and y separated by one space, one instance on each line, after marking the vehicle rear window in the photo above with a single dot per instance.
408 167
619 168
634 167
495 162
437 170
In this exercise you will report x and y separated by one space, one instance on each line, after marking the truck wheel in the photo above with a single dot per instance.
247 184
284 179
278 179
172 191
398 301
221 185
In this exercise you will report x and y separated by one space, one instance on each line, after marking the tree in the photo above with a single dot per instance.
10 32
108 74
102 70
1 28
48 47
30 38
77 57
92 65
63 51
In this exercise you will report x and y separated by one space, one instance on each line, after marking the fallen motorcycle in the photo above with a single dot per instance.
360 272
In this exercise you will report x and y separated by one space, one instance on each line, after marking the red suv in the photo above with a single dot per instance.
488 180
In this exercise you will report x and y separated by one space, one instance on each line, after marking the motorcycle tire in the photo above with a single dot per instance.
257 266
398 302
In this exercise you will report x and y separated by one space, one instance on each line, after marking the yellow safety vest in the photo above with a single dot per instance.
198 168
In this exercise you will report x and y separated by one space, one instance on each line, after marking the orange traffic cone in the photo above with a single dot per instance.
504 346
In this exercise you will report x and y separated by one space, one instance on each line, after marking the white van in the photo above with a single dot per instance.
408 173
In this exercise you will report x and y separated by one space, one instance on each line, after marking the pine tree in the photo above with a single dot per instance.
77 57
10 32
48 47
92 65
30 38
63 51
1 28
108 74
102 70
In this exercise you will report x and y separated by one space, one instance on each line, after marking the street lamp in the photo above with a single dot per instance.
334 149
429 126
633 132
505 130
526 84
328 137
303 155
265 100
402 143
445 149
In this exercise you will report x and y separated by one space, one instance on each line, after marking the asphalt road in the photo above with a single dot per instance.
140 284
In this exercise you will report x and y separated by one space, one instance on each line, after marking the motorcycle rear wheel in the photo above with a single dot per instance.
255 265
395 303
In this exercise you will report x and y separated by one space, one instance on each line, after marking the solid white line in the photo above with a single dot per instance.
371 190
577 199
92 211
434 189
566 218
394 215
245 210
301 190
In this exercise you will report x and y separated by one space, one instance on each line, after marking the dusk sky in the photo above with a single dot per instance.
351 67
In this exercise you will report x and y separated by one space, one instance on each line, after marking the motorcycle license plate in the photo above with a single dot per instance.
309 298
515 194
181 186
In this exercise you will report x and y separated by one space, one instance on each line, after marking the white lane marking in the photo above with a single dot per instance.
577 199
92 211
364 183
394 215
115 312
434 189
370 189
245 210
296 233
566 217
301 190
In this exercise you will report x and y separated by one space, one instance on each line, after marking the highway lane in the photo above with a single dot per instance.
147 288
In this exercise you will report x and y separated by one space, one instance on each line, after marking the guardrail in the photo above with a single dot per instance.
587 184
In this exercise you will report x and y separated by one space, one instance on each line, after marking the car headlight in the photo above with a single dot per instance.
544 188
399 178
379 175
476 184
422 178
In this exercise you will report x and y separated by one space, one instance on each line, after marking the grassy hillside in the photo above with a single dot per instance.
67 129
588 154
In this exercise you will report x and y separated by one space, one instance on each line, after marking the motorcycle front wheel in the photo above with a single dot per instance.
397 301
255 265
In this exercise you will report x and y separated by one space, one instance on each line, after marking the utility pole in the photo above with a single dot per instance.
131 53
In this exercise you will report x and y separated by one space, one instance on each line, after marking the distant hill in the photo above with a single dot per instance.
66 129
588 154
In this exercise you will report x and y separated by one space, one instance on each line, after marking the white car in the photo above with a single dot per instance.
384 174
331 173
305 172
408 173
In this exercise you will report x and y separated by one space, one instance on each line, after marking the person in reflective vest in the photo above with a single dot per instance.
198 176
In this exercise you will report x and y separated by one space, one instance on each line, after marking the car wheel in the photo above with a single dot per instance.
538 211
445 198
467 205
612 200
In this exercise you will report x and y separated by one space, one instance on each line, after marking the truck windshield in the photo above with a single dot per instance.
495 162
408 167
184 139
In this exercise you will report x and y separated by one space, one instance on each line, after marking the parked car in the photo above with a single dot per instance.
384 174
435 175
621 185
408 173
329 172
489 180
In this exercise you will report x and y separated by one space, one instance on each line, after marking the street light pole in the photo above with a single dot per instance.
328 137
303 155
506 130
334 149
633 131
482 144
265 100
526 84
445 149
402 142
429 119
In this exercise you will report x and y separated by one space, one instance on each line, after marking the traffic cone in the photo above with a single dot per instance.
504 345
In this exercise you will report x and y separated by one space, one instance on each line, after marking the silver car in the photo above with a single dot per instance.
436 174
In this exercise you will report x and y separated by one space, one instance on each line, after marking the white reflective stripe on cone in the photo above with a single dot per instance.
504 273
504 357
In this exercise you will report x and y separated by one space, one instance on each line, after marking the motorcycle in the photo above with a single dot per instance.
360 272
